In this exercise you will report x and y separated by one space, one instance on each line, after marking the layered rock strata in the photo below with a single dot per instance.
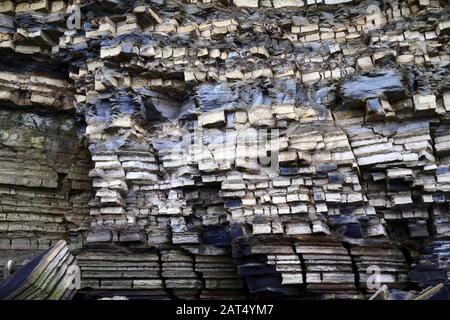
233 149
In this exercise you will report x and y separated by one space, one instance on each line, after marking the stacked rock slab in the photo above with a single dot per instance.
432 267
206 149
44 183
53 275
132 274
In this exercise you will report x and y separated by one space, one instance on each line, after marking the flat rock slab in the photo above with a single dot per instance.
360 88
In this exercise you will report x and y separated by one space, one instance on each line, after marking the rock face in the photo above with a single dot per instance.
232 149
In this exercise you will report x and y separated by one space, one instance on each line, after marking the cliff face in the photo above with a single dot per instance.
228 149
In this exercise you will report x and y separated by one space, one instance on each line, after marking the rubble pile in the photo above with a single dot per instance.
228 149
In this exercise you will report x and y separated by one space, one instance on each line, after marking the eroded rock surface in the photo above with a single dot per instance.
233 149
